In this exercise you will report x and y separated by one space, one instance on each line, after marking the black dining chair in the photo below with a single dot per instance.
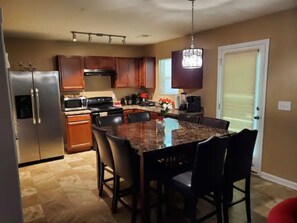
127 167
206 177
214 122
189 118
109 120
104 159
238 167
138 117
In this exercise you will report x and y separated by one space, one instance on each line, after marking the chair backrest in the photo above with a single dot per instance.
103 148
207 172
126 161
189 118
214 122
138 117
240 155
109 120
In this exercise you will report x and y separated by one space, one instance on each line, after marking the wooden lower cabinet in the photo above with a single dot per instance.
79 133
154 115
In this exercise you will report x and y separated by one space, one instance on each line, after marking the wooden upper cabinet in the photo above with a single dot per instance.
127 73
71 69
99 62
184 78
147 67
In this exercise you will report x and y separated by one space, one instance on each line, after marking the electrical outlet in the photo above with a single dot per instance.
284 105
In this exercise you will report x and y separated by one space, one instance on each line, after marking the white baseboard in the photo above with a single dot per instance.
279 180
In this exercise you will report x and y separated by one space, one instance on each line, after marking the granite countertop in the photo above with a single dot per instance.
172 112
78 112
147 137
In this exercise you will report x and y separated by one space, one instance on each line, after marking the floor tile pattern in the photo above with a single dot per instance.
65 191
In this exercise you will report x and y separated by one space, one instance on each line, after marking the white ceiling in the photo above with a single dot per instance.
159 19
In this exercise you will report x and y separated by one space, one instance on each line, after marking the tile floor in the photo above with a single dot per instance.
66 191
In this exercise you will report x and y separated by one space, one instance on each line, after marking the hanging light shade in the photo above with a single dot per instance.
192 57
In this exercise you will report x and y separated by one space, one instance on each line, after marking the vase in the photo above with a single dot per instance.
160 125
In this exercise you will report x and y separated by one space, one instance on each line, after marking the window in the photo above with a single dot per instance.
165 77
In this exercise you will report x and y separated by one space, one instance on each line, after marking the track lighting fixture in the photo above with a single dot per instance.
110 36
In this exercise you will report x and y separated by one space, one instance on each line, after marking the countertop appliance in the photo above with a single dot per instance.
36 111
102 106
183 102
74 102
194 103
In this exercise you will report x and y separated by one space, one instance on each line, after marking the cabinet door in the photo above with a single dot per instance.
107 63
127 73
79 133
154 115
147 72
71 73
184 78
98 62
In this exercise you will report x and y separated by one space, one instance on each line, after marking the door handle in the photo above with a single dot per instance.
33 106
256 117
37 105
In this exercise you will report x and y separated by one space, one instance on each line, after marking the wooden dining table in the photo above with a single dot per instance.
153 140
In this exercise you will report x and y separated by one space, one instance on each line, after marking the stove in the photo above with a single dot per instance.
102 106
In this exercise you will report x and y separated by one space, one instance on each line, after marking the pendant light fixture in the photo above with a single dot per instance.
192 57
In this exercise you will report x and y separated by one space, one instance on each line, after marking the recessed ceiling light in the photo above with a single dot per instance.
143 35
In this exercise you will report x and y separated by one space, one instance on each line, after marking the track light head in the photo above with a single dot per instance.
124 40
74 36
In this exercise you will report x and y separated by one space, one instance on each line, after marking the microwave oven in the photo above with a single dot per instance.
73 103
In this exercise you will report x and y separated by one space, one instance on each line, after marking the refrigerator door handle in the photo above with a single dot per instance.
33 106
37 105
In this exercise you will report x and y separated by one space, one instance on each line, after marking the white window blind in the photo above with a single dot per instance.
165 77
239 81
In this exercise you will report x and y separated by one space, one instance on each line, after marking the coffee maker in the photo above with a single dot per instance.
183 102
194 103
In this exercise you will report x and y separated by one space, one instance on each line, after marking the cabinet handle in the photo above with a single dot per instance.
78 122
33 106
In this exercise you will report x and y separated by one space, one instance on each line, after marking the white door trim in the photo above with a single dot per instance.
263 46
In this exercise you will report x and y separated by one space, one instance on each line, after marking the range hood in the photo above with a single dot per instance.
99 72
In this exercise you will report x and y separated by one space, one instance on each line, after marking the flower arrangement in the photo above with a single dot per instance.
166 104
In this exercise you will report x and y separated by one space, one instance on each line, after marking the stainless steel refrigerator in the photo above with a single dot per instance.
36 108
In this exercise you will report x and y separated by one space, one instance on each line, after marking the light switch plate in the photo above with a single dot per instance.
284 105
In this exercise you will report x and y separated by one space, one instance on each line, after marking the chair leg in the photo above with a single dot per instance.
134 206
115 197
192 209
248 199
225 210
101 178
218 207
159 202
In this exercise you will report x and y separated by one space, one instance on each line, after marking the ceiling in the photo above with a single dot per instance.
142 21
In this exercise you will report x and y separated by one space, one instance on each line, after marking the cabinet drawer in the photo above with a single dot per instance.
77 118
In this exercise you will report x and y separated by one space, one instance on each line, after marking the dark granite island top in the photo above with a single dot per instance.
145 136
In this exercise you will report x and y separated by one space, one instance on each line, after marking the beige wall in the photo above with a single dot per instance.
280 132
43 54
